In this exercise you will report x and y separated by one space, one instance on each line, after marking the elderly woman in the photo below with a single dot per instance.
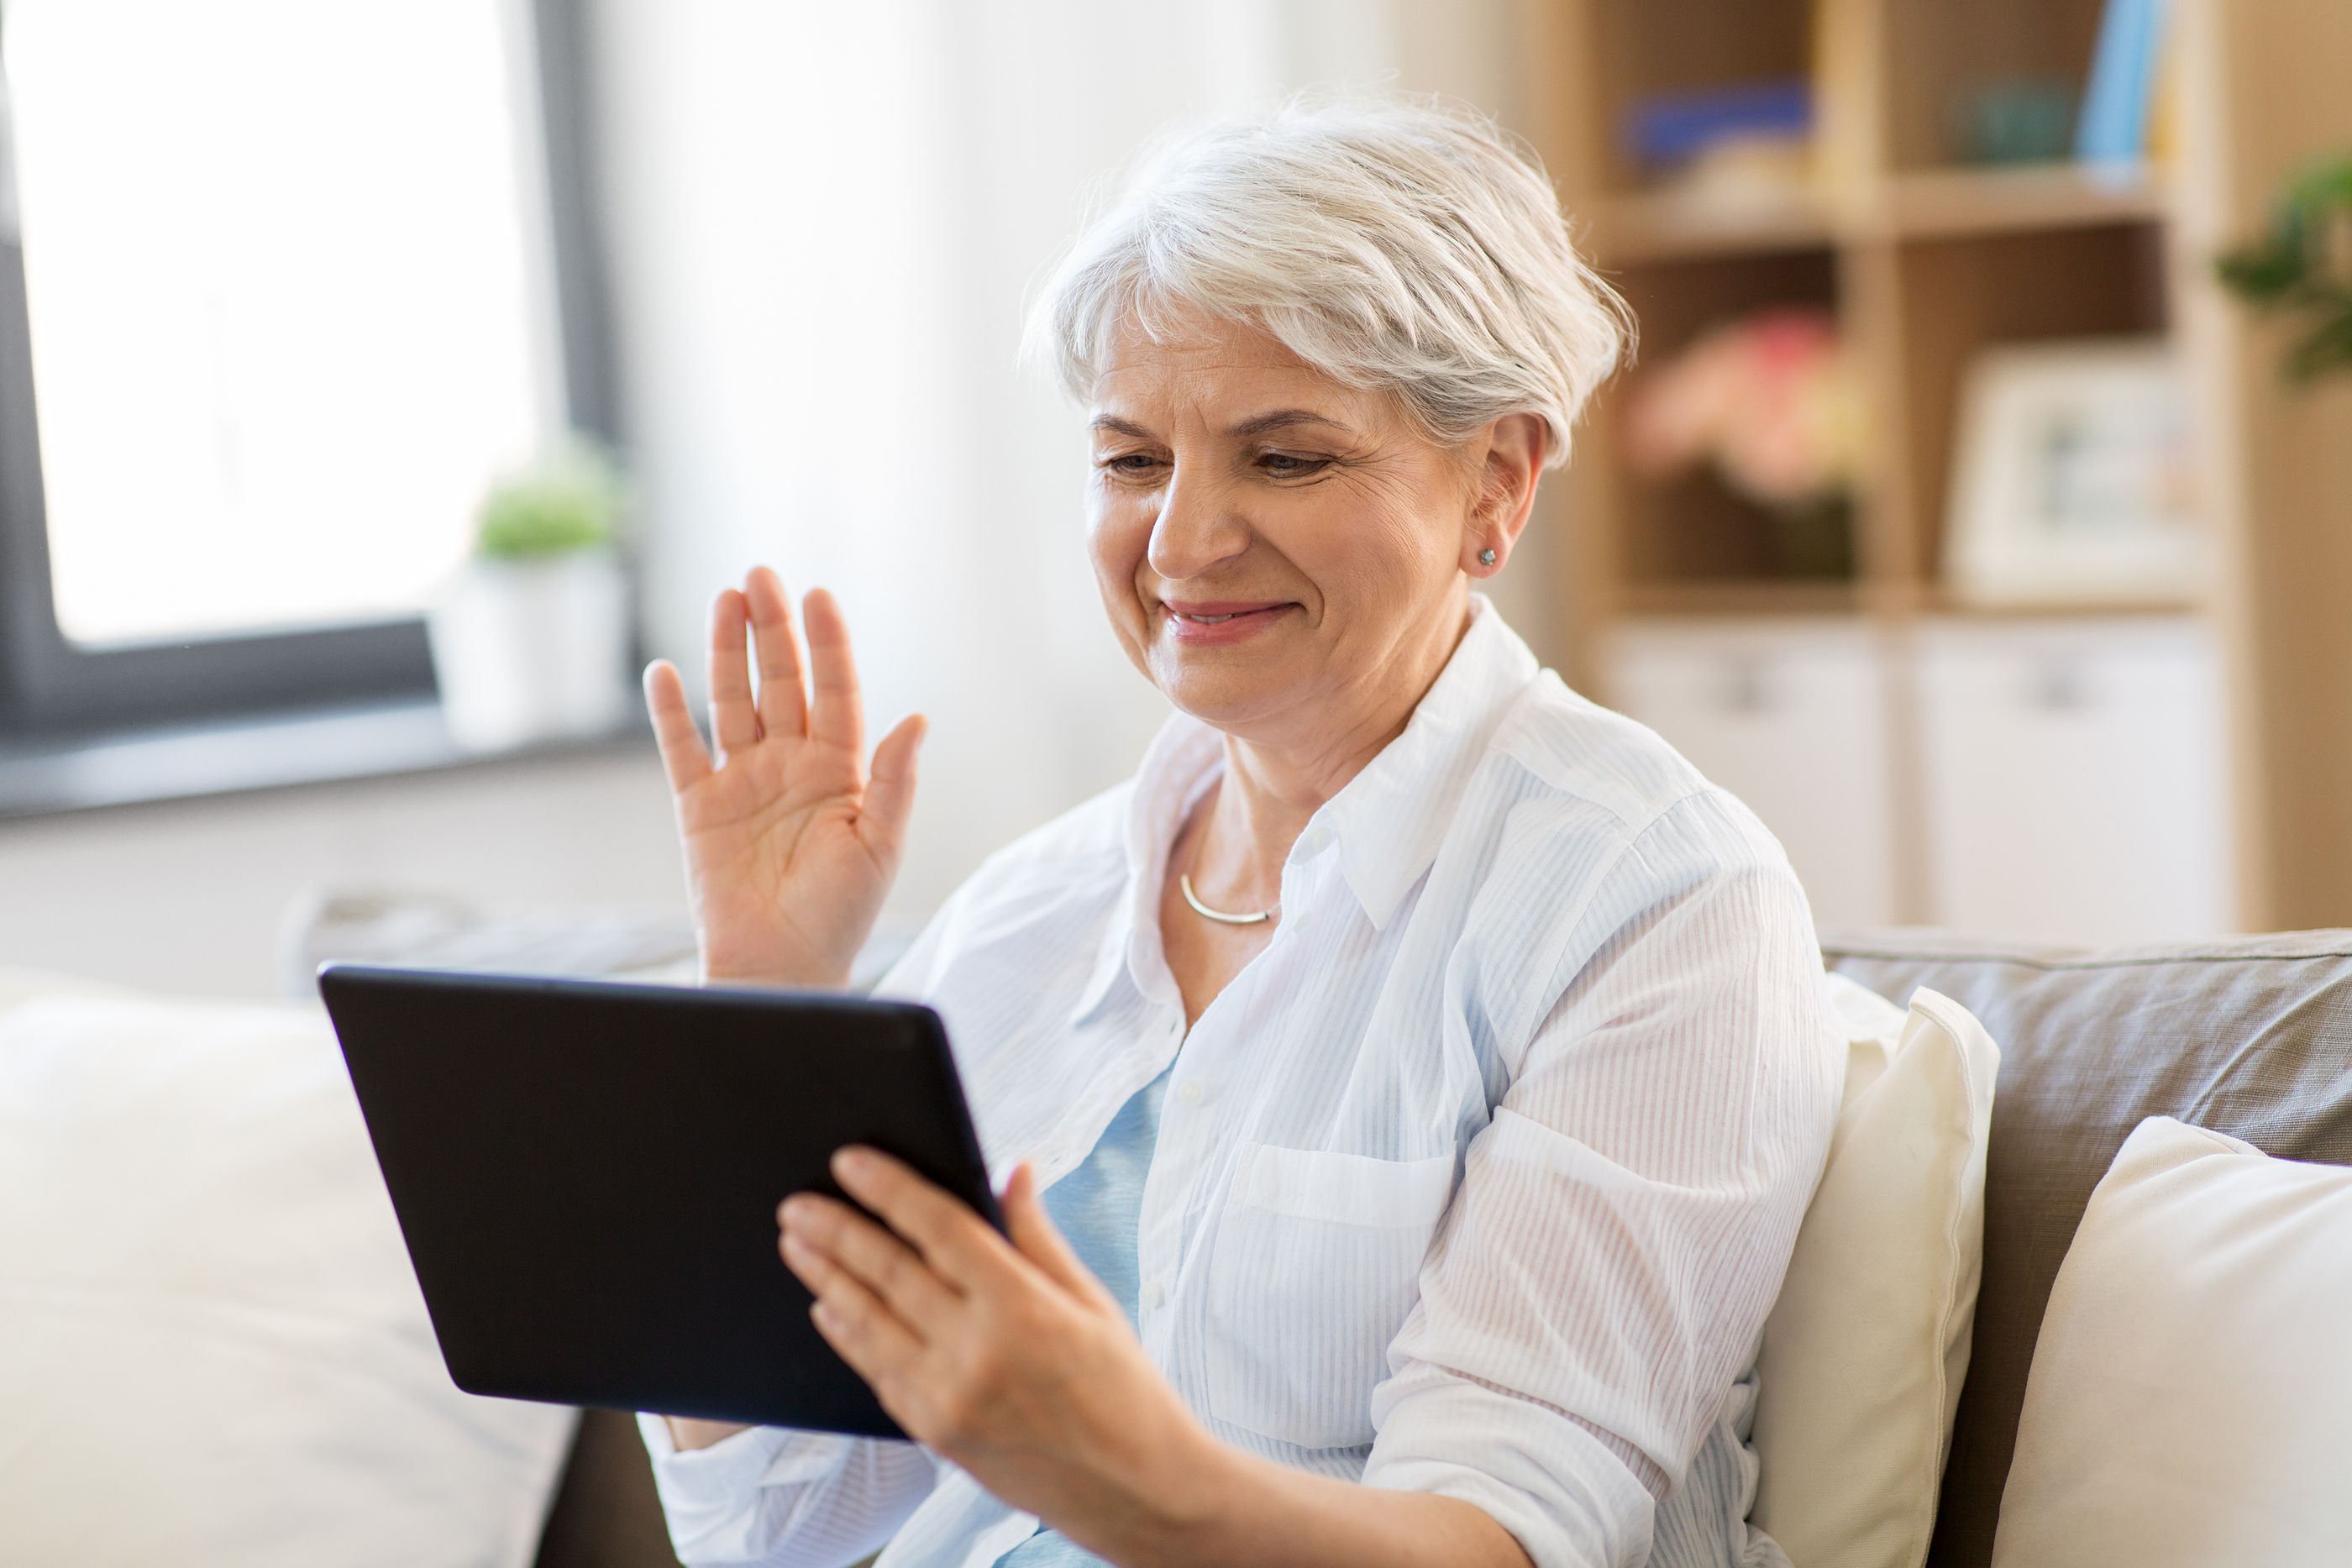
1419 1072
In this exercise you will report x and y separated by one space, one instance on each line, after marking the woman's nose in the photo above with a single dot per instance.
1197 527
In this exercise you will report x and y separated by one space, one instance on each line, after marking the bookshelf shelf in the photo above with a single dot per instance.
1663 226
1945 606
1959 202
1760 598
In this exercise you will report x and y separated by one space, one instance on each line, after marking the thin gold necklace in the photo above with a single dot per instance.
1184 882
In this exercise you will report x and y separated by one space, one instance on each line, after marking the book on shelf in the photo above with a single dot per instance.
2126 64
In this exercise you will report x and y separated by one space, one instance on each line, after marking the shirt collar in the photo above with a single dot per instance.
1387 822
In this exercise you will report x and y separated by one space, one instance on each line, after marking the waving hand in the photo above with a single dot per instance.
791 837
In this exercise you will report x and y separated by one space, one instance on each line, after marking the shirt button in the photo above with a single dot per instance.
1155 1294
1299 922
1316 838
1188 1091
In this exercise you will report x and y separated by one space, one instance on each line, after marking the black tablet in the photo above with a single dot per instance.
586 1174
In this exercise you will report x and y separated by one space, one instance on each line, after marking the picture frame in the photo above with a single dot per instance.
2072 480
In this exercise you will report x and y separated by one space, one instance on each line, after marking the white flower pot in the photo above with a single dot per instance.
533 651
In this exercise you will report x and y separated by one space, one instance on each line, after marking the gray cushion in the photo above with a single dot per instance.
2249 1036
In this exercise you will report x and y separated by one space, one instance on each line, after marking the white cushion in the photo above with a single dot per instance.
1866 1347
2190 1401
212 1347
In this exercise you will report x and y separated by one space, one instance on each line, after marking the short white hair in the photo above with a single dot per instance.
1399 245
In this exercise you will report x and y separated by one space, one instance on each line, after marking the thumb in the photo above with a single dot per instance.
1032 1232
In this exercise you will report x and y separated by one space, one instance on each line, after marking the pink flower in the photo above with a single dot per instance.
1770 400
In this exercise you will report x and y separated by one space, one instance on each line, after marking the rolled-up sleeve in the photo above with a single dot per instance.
782 1497
1626 1216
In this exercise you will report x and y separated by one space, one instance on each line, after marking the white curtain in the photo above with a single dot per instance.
826 220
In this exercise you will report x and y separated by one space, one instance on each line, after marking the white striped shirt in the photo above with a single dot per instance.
1478 1180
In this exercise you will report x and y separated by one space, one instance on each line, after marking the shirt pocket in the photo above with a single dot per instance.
1316 1265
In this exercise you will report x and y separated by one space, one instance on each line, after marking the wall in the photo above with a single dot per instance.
190 897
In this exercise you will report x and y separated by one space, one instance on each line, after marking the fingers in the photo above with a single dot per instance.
759 615
821 1238
837 717
860 1325
734 723
956 1242
1033 1232
890 791
783 703
683 755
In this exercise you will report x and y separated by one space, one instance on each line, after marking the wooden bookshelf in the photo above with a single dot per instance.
1926 261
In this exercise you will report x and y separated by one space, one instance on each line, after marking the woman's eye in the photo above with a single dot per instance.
1130 462
1290 466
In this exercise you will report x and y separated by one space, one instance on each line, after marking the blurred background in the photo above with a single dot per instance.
379 386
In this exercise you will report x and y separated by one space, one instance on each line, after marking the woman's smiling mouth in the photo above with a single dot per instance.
1211 622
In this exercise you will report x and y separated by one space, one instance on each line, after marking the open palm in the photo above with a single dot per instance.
791 840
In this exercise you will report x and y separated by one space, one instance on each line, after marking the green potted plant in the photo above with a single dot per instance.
530 641
2301 269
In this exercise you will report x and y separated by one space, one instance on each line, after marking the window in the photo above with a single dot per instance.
283 286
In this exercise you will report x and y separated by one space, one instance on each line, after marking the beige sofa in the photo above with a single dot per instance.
2250 1036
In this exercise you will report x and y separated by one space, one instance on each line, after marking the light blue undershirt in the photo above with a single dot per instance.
1098 1208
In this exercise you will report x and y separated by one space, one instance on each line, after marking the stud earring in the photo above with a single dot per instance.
1487 556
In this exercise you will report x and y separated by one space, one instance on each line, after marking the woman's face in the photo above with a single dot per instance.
1281 555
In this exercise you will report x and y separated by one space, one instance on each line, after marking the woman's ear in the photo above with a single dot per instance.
1512 460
